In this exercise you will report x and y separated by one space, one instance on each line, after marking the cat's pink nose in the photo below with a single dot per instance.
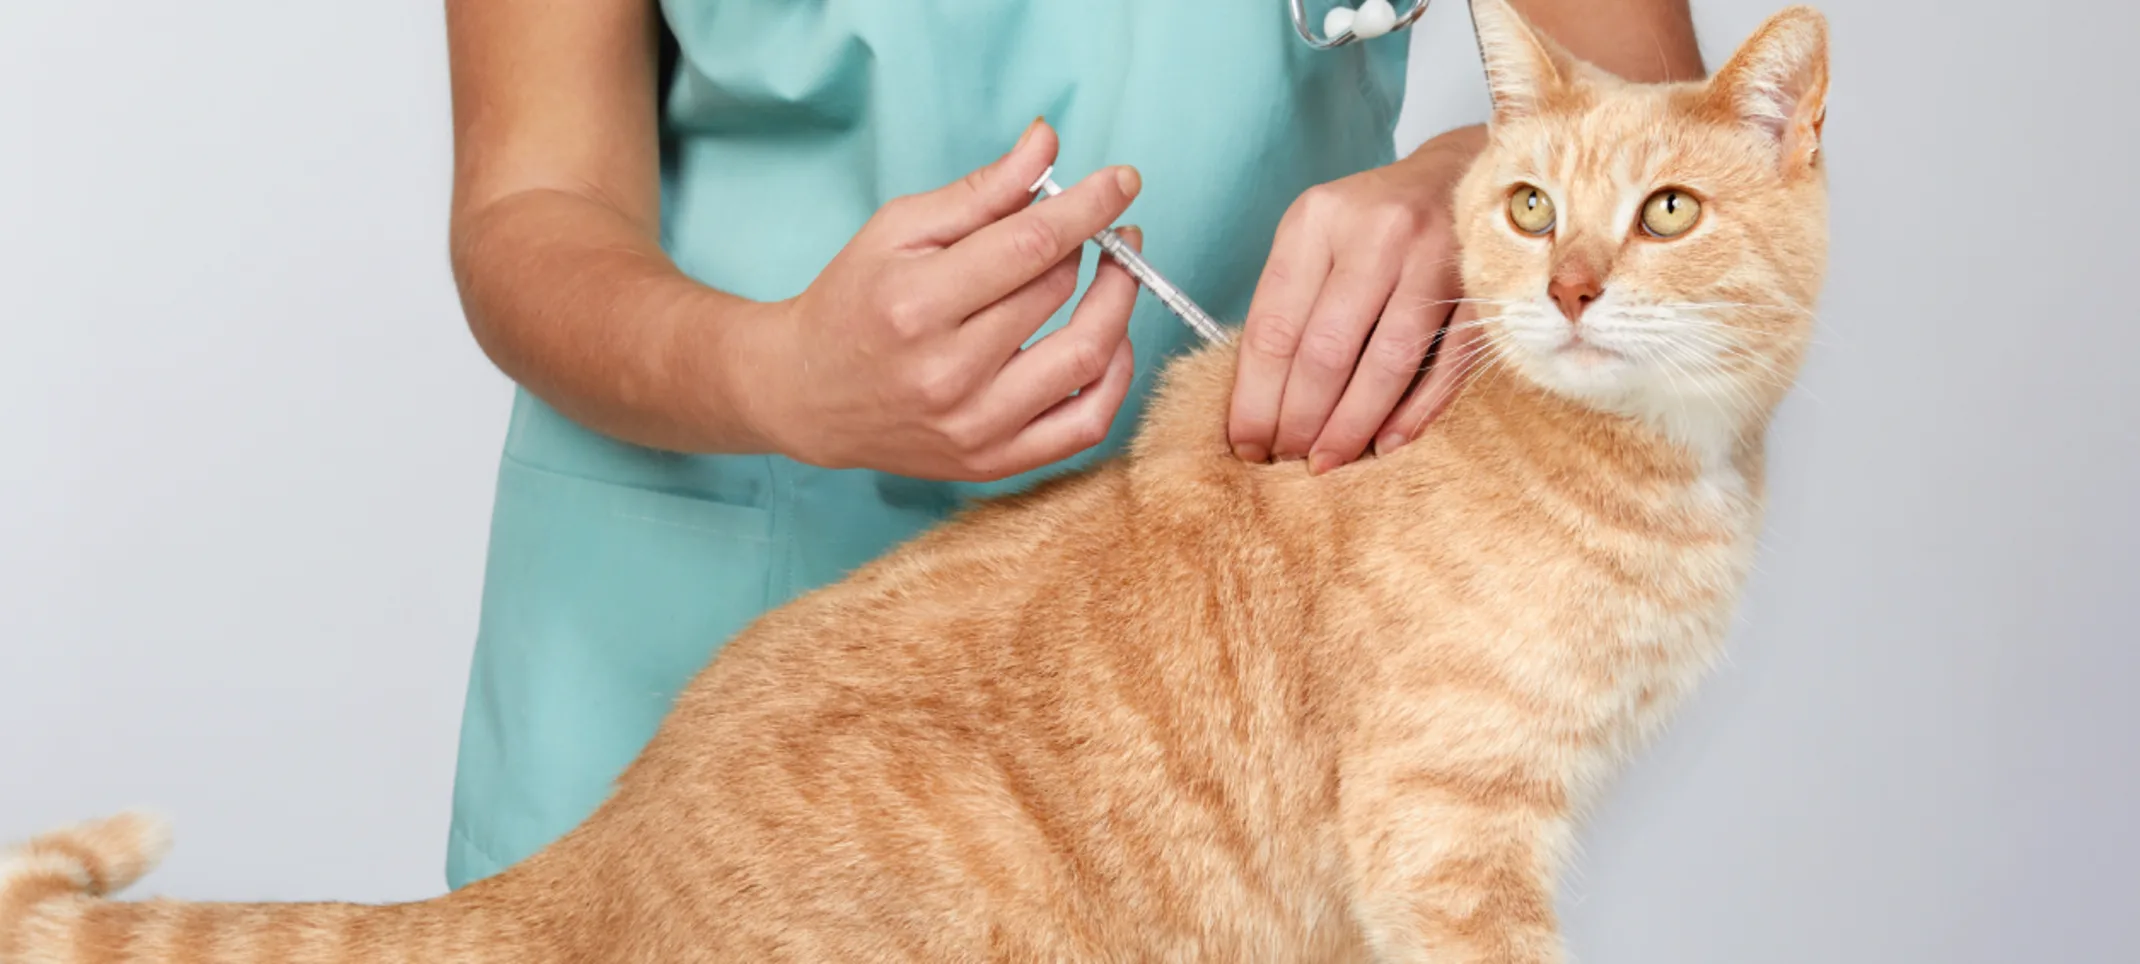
1574 291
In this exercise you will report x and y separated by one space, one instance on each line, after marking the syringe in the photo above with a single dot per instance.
1180 304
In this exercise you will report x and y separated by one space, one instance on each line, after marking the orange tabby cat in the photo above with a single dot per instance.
1183 708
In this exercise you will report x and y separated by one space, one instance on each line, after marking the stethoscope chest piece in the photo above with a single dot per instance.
1343 25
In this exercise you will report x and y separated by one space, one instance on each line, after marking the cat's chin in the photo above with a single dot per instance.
1586 373
1588 358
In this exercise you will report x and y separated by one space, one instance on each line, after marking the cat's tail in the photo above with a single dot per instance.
53 911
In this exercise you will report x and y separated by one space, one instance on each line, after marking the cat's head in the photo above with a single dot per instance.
1653 250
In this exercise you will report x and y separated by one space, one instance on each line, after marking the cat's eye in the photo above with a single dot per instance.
1669 213
1530 210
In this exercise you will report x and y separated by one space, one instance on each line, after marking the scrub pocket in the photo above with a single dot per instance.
601 601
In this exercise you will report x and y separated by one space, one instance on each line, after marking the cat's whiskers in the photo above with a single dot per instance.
1736 383
1463 301
1710 415
1481 359
1707 352
1496 361
1714 324
1729 341
1736 361
1694 357
1420 345
1472 356
1672 370
1739 393
1735 305
1662 350
1706 310
1469 364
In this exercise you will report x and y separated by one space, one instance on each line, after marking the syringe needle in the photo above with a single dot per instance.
1176 301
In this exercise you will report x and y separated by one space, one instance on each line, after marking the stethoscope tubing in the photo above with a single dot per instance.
1307 32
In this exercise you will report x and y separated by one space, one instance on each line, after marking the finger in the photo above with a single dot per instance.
1069 358
993 337
1299 262
1345 311
997 259
1464 351
1388 366
1073 424
983 196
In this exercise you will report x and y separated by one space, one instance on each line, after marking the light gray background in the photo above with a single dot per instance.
248 452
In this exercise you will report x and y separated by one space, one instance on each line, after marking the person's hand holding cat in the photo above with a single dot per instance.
904 355
1362 274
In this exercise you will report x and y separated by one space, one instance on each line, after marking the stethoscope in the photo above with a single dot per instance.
1343 25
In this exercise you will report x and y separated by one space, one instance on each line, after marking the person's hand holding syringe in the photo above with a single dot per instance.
918 350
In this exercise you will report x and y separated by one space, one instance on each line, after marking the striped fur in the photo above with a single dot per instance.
1182 708
52 912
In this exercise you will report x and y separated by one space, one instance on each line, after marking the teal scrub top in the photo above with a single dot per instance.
615 572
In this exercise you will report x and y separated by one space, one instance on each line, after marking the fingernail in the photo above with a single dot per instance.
1389 443
1249 453
1128 180
1132 234
1321 462
1028 135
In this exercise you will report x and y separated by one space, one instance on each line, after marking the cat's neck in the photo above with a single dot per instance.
1636 442
1515 440
1606 458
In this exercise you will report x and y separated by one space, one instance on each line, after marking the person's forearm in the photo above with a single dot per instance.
1649 41
575 303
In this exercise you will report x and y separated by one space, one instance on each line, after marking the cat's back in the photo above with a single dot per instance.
1047 725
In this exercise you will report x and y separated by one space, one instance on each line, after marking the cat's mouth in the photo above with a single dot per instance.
1581 351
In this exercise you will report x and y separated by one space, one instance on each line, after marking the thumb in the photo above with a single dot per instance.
987 195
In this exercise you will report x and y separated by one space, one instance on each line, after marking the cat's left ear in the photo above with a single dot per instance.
1777 83
1525 69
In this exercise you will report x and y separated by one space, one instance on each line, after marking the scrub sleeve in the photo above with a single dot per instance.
615 572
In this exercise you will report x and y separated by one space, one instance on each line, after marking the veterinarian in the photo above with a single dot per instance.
763 270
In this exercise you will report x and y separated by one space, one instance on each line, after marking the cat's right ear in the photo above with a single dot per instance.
1524 68
1777 83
